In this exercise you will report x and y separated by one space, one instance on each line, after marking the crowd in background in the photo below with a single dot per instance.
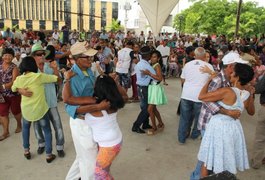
165 55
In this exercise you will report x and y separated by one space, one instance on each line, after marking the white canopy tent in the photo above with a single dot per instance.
157 11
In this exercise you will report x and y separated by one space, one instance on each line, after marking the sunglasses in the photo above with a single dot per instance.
87 57
39 54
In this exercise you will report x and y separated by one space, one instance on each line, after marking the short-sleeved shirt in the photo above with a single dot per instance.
50 91
35 107
124 60
81 85
142 79
194 79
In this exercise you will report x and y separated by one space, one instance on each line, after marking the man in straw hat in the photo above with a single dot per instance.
80 82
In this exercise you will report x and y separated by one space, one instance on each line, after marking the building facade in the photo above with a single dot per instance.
53 14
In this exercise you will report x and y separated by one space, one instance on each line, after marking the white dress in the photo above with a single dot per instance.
223 146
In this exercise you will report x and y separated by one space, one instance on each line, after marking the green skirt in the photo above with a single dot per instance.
156 94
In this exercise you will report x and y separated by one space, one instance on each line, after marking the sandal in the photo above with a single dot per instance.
4 136
165 83
152 131
161 126
18 130
27 155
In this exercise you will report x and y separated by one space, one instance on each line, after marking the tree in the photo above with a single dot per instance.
219 17
115 25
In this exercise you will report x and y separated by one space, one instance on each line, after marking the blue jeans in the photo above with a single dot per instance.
143 117
55 119
46 128
196 174
189 111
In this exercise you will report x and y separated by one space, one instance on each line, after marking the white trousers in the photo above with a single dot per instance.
86 151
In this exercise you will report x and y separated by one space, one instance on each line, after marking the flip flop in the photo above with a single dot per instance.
3 137
18 130
161 126
151 132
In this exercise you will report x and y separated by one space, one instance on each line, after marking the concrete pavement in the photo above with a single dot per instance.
142 157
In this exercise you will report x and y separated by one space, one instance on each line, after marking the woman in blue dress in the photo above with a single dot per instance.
223 146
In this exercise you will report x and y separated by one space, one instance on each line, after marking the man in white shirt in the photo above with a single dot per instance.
55 35
123 65
193 81
165 52
188 43
142 37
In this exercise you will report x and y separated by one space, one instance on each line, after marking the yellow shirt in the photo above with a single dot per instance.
35 107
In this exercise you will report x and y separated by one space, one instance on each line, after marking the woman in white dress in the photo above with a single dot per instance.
223 146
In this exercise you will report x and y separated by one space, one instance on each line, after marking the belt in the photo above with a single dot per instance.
141 86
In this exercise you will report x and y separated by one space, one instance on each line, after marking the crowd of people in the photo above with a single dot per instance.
93 72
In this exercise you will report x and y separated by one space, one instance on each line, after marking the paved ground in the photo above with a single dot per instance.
143 157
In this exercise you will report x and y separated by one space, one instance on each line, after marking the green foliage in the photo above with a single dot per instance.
114 26
219 17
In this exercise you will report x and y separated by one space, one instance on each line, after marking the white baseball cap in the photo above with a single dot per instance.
81 48
231 58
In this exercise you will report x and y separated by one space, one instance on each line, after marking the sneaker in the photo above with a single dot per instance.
61 153
40 150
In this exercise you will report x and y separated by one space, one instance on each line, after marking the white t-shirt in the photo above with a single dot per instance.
105 129
124 60
194 79
55 36
165 51
187 44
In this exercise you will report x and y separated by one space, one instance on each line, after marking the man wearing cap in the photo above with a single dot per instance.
39 54
82 89
142 86
208 109
51 67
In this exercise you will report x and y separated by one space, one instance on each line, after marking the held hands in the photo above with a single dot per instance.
146 72
69 74
54 65
250 89
104 105
115 77
206 69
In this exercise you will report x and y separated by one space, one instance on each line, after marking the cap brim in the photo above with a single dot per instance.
90 52
240 60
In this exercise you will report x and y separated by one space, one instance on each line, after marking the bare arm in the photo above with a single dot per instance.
15 73
158 76
249 103
72 100
104 105
56 72
217 95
